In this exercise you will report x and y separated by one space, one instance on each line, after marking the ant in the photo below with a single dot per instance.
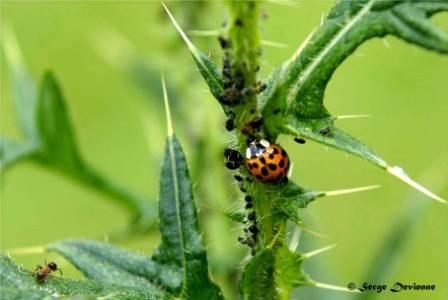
41 272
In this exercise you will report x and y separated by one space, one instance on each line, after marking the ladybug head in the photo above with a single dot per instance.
257 148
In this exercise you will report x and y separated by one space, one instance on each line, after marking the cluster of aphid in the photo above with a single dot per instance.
266 162
260 155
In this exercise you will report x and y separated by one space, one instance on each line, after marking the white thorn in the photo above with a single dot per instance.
333 287
318 251
315 233
181 32
303 45
167 108
295 239
274 44
341 117
347 191
205 32
401 174
289 3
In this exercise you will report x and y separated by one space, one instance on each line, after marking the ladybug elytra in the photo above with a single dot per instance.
267 162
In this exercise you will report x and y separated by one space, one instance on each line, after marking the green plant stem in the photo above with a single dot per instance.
245 48
243 33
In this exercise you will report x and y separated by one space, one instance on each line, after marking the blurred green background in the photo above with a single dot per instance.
119 121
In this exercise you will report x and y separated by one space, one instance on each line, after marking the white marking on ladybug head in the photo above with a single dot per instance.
248 153
264 143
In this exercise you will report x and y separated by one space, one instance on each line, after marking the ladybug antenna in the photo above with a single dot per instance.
167 107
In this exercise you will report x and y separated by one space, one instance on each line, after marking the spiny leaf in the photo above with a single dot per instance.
289 273
181 246
297 88
322 131
18 283
208 69
348 25
111 264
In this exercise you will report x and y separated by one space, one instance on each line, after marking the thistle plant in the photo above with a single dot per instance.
290 101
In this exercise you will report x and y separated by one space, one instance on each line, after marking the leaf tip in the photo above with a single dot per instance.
178 28
169 122
398 172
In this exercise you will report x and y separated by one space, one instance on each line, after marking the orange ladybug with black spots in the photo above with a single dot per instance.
267 162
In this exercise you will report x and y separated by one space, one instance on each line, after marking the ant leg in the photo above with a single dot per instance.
60 271
38 267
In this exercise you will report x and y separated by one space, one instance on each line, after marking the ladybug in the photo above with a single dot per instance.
267 162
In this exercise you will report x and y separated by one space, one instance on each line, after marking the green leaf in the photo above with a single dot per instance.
290 198
289 273
12 152
257 281
111 264
181 245
336 138
23 87
55 131
18 283
208 69
348 25
296 89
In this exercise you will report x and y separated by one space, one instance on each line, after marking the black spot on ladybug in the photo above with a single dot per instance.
248 198
275 151
325 131
271 156
255 165
264 171
281 164
249 205
299 140
273 167
263 160
283 153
